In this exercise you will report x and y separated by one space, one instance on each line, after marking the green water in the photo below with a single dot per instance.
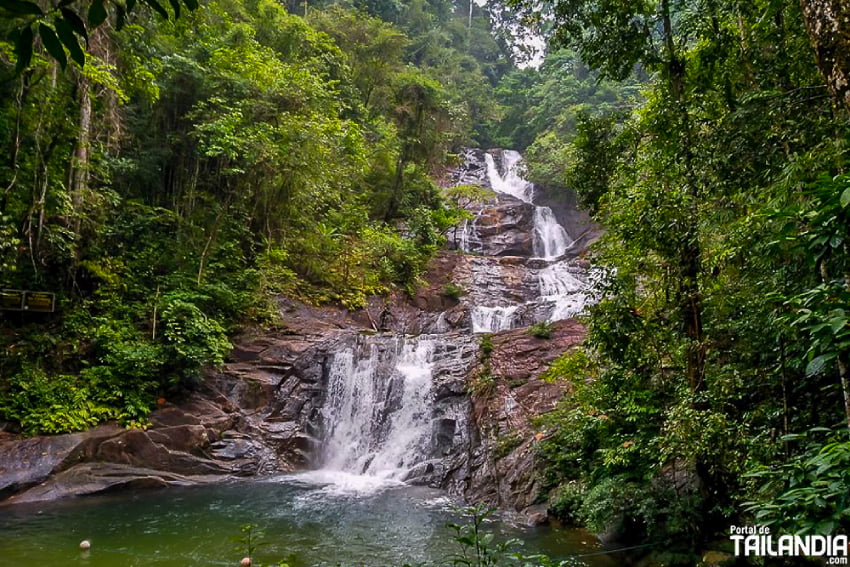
305 519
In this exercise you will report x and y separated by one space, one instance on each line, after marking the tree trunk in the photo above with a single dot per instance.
828 25
689 296
844 375
80 161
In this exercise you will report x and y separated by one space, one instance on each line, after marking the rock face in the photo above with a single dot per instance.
401 388
505 228
176 450
507 394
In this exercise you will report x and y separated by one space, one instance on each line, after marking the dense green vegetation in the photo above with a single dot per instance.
197 165
717 361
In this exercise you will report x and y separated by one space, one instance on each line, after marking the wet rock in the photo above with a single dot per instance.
137 448
506 228
501 467
28 462
94 478
187 438
536 515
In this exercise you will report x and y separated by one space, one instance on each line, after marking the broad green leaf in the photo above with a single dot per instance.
845 197
21 8
76 23
157 7
66 34
52 44
23 49
97 13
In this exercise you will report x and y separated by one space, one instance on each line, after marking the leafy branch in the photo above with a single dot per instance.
67 24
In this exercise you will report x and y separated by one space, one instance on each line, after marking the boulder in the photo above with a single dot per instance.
27 462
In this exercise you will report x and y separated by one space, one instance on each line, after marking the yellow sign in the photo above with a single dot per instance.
39 301
11 299
18 300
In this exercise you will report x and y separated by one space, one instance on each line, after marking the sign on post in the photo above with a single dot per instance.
21 300
12 300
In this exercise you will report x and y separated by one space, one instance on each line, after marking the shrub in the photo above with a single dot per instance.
453 291
191 338
541 330
487 345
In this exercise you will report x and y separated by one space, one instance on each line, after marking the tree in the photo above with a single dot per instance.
828 24
720 197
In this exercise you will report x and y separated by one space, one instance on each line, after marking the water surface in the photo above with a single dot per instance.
321 519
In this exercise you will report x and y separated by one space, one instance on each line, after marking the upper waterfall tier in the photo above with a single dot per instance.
508 180
515 224
552 284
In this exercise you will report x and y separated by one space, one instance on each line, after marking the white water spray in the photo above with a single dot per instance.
550 238
492 319
378 408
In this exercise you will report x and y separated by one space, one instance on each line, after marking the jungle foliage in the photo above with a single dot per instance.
714 384
168 179
167 173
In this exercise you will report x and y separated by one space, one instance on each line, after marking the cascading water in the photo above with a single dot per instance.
382 417
550 238
510 183
378 410
469 239
562 285
493 319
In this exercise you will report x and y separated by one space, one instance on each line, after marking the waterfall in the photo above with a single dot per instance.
394 404
378 410
492 319
510 183
562 285
550 238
